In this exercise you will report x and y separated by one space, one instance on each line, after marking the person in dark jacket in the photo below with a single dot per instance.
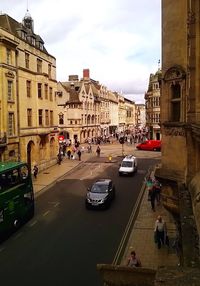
79 155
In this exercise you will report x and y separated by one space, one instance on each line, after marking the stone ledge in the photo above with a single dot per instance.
169 276
115 275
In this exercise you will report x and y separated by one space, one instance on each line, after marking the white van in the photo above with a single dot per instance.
128 165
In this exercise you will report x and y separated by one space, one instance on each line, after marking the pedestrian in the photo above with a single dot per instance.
152 196
35 171
98 151
79 155
160 231
69 152
64 149
59 158
157 187
133 260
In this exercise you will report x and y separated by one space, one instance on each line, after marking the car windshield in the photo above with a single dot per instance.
127 164
99 188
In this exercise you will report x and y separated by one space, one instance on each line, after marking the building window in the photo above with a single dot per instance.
40 117
47 117
33 41
71 122
49 70
46 91
39 90
51 118
39 66
28 88
11 125
10 90
27 60
29 117
175 102
51 94
61 118
8 56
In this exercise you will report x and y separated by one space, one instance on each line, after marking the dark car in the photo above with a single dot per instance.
101 194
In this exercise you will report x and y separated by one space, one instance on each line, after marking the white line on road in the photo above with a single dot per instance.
17 235
46 213
2 249
57 204
33 223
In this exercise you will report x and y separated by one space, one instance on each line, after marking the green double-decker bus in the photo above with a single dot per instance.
16 196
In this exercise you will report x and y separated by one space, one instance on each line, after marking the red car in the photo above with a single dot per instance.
150 145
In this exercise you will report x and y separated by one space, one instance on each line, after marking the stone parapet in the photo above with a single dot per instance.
115 275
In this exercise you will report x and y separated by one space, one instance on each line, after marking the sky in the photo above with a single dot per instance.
119 41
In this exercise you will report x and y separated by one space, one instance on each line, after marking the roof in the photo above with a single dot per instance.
73 90
12 26
103 181
129 158
5 166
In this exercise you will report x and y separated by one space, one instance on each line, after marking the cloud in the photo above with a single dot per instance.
118 40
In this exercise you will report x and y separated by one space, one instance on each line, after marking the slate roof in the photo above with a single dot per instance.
73 92
12 26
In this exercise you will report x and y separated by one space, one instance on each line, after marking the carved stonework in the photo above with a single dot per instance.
174 131
191 18
10 74
174 73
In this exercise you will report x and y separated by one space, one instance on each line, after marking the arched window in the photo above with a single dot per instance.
61 118
175 102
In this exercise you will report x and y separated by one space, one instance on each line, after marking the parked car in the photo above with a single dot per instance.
101 194
151 145
128 165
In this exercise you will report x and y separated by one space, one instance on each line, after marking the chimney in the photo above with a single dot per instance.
86 74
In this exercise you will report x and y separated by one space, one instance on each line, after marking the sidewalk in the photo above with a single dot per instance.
48 177
142 237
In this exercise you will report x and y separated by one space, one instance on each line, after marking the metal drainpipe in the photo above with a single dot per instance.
17 96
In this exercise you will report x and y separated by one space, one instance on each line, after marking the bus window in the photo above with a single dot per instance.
24 172
13 177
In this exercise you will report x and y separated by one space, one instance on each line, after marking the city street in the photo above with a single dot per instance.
63 243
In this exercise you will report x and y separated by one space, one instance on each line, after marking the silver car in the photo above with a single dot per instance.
101 194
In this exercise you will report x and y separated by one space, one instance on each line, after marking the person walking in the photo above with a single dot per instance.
59 158
98 151
79 155
35 171
157 188
133 260
160 231
152 196
69 151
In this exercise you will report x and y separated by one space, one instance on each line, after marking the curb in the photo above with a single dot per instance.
123 243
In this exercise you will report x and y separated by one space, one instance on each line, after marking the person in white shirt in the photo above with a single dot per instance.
160 230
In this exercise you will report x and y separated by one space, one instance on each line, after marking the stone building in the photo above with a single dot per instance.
180 121
140 115
79 107
130 114
113 111
121 114
152 103
27 95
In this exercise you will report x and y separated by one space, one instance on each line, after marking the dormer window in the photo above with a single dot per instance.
32 41
41 46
